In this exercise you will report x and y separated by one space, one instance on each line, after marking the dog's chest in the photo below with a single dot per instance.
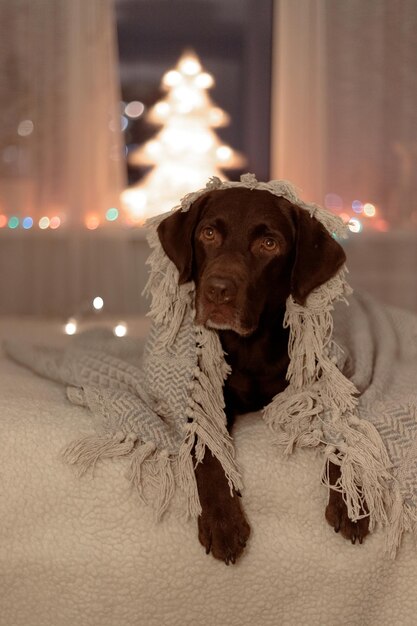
258 373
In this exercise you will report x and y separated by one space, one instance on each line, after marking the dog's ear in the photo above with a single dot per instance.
176 234
318 256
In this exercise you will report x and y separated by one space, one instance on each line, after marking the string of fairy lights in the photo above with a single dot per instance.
359 216
91 222
95 306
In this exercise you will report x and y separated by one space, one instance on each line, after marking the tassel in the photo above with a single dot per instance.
364 466
397 523
165 482
223 450
170 301
179 308
211 359
200 450
186 474
403 518
291 416
134 473
364 470
87 451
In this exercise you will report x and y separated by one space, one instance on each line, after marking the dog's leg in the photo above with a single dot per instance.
336 512
222 526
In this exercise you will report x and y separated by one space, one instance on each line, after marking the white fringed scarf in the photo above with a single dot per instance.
319 404
158 414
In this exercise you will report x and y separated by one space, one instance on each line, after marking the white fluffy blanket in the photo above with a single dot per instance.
87 552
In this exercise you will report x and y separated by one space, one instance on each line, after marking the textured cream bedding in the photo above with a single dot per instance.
87 552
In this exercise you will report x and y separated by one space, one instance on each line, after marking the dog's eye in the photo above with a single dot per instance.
269 244
208 233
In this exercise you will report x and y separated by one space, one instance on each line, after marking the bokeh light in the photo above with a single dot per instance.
98 303
355 225
218 117
134 109
223 153
204 80
120 330
369 209
13 222
153 147
27 223
25 128
112 214
55 222
189 66
3 221
357 206
162 109
71 326
44 223
172 78
92 222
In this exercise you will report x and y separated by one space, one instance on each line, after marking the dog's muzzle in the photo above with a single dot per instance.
219 304
220 290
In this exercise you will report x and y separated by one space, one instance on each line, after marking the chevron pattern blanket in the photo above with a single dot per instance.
355 394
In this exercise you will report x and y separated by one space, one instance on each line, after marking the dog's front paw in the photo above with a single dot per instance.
224 531
337 516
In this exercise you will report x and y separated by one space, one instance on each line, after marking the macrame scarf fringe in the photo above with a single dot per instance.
169 301
364 466
84 453
161 482
153 474
156 475
150 471
206 426
403 518
318 407
134 473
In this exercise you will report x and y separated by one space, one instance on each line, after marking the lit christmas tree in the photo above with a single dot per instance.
186 152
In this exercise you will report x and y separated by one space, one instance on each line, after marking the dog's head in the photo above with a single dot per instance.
247 250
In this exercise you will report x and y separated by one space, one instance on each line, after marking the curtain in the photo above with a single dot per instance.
60 137
345 103
298 122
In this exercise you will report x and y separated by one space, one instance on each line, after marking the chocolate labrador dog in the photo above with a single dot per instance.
247 251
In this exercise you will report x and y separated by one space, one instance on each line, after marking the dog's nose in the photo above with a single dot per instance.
220 290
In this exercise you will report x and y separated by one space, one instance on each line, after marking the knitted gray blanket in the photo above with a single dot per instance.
378 353
352 390
380 357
